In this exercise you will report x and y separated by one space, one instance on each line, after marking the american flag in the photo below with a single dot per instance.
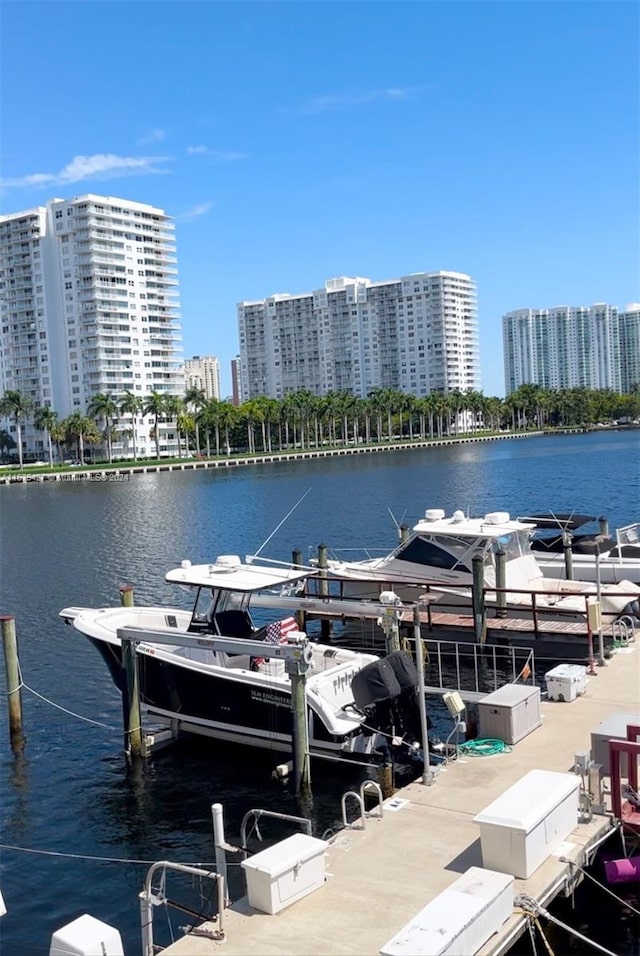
277 633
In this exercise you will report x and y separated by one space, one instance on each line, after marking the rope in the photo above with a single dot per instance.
531 907
484 747
544 938
618 899
102 859
64 710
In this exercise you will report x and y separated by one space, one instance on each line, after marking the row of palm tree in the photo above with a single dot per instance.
304 420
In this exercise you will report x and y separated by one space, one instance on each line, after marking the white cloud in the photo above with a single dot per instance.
216 155
322 104
200 209
153 136
99 166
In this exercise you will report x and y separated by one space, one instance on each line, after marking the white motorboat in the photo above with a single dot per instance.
593 554
438 556
244 697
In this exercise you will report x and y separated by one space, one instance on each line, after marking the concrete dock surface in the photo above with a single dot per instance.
380 877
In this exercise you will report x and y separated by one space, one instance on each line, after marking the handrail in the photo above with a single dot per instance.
148 900
257 813
343 803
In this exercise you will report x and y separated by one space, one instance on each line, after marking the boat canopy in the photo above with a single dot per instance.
566 521
230 574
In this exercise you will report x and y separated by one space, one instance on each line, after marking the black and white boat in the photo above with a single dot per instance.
594 552
360 707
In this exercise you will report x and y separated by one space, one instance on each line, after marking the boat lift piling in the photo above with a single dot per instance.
297 656
323 587
12 669
126 595
501 583
479 611
300 616
568 554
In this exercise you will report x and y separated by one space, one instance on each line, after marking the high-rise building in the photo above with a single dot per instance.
417 334
203 372
629 323
88 300
570 347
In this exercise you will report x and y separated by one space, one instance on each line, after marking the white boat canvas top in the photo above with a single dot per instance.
230 574
495 524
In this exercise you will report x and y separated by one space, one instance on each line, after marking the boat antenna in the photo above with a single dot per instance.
277 528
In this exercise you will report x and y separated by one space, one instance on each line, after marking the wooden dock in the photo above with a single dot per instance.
381 876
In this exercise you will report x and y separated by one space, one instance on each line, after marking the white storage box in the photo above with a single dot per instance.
566 682
528 821
285 872
86 936
614 727
509 713
460 920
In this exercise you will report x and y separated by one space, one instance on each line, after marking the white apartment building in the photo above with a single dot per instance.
629 324
203 372
89 304
570 347
417 334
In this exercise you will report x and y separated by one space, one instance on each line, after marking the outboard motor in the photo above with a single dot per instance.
386 691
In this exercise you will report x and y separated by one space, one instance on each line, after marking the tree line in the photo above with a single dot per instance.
300 419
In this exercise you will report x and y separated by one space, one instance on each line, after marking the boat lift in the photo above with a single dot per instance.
297 654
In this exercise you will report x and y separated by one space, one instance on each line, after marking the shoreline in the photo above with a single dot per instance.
122 471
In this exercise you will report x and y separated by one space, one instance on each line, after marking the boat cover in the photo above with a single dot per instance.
375 683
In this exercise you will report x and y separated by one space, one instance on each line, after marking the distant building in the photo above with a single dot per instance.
571 347
89 304
236 381
417 334
204 373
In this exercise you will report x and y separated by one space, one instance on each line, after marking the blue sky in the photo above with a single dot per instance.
298 141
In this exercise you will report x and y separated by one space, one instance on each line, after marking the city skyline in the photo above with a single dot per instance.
288 143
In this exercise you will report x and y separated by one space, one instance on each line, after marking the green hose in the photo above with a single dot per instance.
484 747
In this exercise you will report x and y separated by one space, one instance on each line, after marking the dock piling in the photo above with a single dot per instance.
300 616
297 670
479 611
126 595
131 701
427 774
12 668
325 625
501 583
568 555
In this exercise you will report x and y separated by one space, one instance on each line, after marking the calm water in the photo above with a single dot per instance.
63 544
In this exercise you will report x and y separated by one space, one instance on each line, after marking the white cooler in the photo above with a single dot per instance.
285 872
520 829
566 682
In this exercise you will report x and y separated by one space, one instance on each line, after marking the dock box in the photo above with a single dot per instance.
458 921
613 727
566 682
509 713
86 936
528 821
285 872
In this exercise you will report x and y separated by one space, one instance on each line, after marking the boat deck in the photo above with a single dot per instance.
380 877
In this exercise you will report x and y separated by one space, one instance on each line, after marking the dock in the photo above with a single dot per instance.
380 876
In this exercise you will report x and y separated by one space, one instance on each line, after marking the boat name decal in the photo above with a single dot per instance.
267 697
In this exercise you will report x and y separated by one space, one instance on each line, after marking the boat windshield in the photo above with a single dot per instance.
515 544
213 601
442 551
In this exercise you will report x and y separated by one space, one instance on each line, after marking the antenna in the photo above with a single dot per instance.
277 528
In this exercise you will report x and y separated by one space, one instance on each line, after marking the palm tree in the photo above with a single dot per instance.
131 404
45 420
81 428
195 399
155 404
7 443
17 406
103 406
